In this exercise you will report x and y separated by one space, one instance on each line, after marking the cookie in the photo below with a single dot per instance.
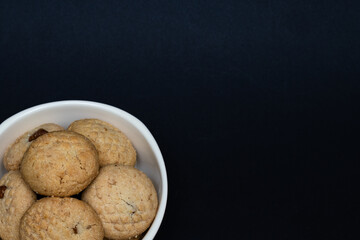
14 154
125 199
15 198
113 145
55 218
61 163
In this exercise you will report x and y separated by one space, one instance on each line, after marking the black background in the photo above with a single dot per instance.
254 104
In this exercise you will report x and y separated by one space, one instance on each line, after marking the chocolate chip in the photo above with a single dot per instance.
2 191
75 230
37 134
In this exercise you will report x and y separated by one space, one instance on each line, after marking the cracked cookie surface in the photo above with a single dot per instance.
113 145
15 198
14 154
54 218
61 163
125 199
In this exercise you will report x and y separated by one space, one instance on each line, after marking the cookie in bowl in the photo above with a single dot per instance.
125 199
61 163
113 145
15 199
61 218
14 154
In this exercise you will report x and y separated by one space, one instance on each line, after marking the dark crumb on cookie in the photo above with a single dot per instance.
2 192
37 134
75 230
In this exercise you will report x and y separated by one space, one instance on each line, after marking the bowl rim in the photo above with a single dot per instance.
128 117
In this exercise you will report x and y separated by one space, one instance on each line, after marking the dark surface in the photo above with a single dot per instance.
254 104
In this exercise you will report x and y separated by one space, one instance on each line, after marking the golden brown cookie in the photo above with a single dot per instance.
15 153
125 200
113 146
61 163
15 198
54 218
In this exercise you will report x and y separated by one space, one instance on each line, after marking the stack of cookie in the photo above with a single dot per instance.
93 161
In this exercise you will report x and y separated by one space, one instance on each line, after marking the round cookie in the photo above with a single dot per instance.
14 154
125 199
61 163
113 145
15 198
61 218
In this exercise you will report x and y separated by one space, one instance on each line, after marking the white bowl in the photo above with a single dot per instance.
149 158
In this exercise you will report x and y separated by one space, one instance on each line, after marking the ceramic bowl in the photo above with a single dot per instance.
149 158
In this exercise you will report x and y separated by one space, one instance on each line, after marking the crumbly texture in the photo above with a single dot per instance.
14 154
15 198
125 199
113 145
61 218
61 163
